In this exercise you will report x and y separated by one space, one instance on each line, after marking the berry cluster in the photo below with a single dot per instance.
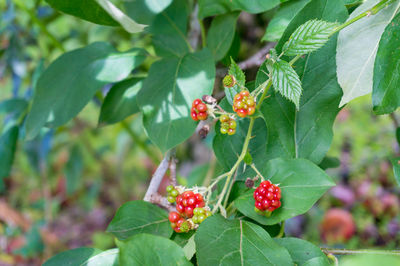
172 194
244 104
187 202
190 210
228 125
268 198
199 110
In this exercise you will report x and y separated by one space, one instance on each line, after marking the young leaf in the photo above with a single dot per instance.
145 249
84 257
303 252
167 95
298 179
286 12
286 81
309 37
240 78
236 242
137 217
221 33
121 101
307 132
68 84
386 82
357 47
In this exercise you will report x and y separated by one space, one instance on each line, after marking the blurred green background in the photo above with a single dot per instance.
66 184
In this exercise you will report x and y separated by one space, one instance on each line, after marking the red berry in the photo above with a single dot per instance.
238 97
188 194
179 199
184 202
189 212
194 116
173 217
266 203
177 229
198 197
173 225
262 191
242 112
180 208
259 205
265 184
251 110
259 198
202 116
269 195
202 107
244 93
196 102
191 201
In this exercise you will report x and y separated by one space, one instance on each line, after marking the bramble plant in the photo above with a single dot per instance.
271 134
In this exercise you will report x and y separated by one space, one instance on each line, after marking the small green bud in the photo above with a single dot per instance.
229 81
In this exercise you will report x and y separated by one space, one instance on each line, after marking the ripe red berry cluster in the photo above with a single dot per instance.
172 194
199 110
268 198
244 104
187 202
228 125
178 223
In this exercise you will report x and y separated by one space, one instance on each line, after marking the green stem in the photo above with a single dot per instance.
257 172
361 251
269 84
236 165
137 140
203 33
282 230
372 11
230 189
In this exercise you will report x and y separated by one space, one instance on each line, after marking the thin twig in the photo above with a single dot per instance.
258 58
195 29
162 201
172 170
361 251
157 177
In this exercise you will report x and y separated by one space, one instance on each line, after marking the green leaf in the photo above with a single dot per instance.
190 248
74 170
286 81
101 12
14 106
8 145
84 257
329 162
286 12
386 81
302 252
121 101
357 47
240 77
221 33
169 30
144 249
167 95
236 242
307 132
68 84
135 217
217 7
145 11
309 37
396 169
302 183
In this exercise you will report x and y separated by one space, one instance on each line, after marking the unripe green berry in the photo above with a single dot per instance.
223 130
201 218
169 188
171 199
195 219
224 118
208 213
232 124
174 193
185 227
229 81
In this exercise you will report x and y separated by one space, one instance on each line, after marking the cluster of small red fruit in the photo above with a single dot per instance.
191 210
267 197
